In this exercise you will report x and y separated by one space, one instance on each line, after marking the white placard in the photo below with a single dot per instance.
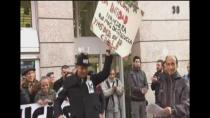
117 22
40 111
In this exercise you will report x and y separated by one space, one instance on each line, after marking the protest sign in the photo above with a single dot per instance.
37 111
118 23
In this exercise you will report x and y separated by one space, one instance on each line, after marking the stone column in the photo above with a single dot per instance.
56 35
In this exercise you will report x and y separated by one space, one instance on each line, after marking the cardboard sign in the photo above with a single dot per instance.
117 22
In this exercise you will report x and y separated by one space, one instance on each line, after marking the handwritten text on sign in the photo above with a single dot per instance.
117 22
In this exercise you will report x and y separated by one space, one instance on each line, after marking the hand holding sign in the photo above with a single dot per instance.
109 48
167 111
158 111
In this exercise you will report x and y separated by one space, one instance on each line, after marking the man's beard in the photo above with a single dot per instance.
159 70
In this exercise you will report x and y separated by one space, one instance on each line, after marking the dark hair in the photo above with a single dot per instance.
161 61
174 57
164 62
64 67
136 57
49 74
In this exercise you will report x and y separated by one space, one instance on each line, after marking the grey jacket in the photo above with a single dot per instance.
137 81
174 92
108 92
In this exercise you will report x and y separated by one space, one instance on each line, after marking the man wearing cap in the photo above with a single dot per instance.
30 84
81 89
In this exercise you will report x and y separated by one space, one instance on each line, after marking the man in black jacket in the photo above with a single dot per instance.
81 89
173 94
155 79
59 83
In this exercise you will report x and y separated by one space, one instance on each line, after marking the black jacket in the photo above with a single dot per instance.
58 84
83 103
101 98
24 97
155 85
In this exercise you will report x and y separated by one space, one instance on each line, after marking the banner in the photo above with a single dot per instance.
37 111
117 22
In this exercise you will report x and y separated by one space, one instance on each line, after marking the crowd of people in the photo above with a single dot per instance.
98 95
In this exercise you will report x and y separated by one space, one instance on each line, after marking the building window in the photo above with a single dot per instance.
30 63
25 14
27 64
83 15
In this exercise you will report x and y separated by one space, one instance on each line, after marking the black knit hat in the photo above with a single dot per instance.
82 60
27 70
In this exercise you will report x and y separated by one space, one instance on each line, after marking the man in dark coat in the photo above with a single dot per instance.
173 94
59 83
155 79
81 89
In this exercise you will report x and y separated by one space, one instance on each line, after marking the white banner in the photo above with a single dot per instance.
117 22
37 111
